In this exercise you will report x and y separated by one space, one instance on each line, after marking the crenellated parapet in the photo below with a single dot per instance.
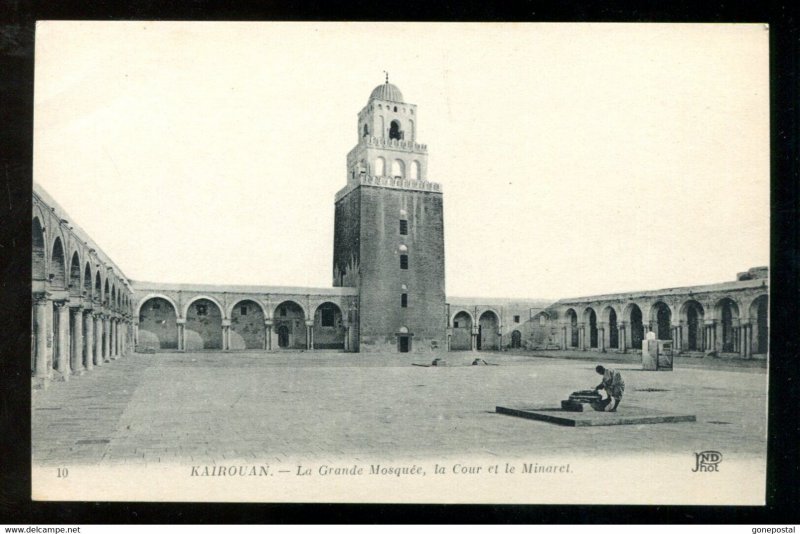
389 182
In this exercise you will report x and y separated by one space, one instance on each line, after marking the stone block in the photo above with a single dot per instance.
628 415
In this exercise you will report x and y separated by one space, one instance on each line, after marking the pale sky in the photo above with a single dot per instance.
575 159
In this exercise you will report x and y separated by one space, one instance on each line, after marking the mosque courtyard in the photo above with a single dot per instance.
213 407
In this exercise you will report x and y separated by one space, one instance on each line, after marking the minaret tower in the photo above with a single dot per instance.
389 231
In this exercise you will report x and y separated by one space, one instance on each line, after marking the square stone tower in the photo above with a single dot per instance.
389 232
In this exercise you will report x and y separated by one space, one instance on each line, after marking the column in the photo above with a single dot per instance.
746 340
226 334
622 340
267 334
123 336
77 340
88 326
181 323
98 338
62 358
601 337
564 344
474 338
41 369
709 335
310 335
106 338
582 336
115 338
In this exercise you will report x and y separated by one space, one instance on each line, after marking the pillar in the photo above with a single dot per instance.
88 327
181 324
582 336
41 369
62 358
473 341
76 361
710 335
746 347
564 345
622 337
601 337
267 334
310 335
106 338
226 334
98 339
114 337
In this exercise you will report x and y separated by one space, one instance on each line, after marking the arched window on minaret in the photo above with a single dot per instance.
394 131
366 131
398 168
413 172
380 166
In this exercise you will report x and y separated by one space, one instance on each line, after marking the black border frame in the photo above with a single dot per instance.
17 24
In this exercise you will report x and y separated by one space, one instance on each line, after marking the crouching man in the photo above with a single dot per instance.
614 386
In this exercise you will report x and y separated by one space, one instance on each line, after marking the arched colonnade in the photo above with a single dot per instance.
81 314
242 321
725 323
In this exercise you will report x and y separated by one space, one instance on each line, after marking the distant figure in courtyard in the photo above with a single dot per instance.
614 386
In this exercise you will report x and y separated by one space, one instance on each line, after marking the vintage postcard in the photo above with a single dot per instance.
400 263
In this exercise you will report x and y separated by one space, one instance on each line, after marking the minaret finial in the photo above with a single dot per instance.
387 76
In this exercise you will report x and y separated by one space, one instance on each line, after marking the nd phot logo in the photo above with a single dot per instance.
707 461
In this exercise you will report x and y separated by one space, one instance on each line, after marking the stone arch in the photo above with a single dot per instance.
58 268
87 281
75 275
461 338
248 330
590 320
414 171
203 327
112 302
229 312
106 292
571 318
156 295
634 318
98 286
289 327
516 339
759 323
692 315
329 329
398 168
661 320
395 130
158 323
489 330
610 319
206 297
726 311
39 251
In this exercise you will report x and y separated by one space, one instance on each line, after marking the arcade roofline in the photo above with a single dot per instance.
44 197
684 291
141 286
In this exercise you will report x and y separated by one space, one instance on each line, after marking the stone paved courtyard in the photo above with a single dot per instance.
213 407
